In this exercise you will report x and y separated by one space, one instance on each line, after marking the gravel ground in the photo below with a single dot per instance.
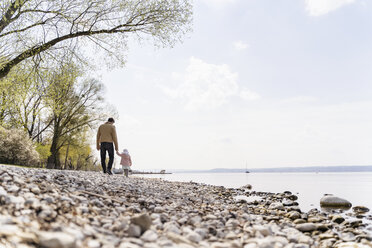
52 208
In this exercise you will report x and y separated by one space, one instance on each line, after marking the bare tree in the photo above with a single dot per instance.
33 27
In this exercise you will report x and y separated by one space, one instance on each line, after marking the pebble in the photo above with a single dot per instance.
142 220
56 240
149 236
306 227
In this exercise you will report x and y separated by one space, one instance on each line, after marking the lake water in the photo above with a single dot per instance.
355 187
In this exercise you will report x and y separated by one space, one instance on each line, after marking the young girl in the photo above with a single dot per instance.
125 161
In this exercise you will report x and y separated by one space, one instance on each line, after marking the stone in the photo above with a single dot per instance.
220 245
142 220
178 239
360 209
134 231
351 245
262 230
338 219
299 221
149 236
293 215
13 189
276 205
158 209
247 186
94 244
56 240
330 201
306 227
9 230
3 192
170 227
193 237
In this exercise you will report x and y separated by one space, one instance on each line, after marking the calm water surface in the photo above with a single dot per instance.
356 187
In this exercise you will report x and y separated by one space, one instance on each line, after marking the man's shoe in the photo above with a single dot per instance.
109 172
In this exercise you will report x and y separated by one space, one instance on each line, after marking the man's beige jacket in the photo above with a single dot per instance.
107 133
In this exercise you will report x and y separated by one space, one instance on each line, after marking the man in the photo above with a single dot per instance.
106 138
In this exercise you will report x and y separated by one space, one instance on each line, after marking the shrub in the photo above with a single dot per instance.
17 148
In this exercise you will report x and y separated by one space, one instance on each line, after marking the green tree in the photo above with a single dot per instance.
30 28
77 153
24 91
74 105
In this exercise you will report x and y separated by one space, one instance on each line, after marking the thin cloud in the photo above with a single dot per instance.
249 95
206 86
218 2
322 7
240 45
301 99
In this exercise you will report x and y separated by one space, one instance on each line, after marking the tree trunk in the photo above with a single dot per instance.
53 159
68 146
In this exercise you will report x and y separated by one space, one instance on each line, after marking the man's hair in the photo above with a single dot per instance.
111 120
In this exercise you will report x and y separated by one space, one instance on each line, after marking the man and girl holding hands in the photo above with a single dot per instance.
106 139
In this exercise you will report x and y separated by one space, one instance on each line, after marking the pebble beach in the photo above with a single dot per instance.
68 209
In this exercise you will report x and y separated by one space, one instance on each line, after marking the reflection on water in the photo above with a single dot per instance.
310 187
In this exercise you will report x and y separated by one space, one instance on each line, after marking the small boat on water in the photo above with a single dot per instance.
246 166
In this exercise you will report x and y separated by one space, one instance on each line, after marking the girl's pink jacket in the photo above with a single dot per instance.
125 159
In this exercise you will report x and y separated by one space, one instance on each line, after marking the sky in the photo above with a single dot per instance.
260 83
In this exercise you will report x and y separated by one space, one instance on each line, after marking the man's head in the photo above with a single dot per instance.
111 120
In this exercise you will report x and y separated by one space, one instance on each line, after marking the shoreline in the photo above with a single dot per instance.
52 208
354 188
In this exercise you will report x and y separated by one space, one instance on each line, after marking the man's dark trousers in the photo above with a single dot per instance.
109 147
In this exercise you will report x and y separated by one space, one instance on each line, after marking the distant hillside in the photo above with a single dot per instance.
351 168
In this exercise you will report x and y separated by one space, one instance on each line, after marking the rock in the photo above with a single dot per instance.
288 203
322 227
306 227
330 201
134 231
232 223
360 209
347 237
299 221
158 210
276 205
35 189
294 215
293 197
262 230
242 198
149 236
56 240
3 192
13 189
202 232
94 244
351 245
195 221
220 245
142 220
171 227
247 186
193 236
338 219
9 230
178 239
